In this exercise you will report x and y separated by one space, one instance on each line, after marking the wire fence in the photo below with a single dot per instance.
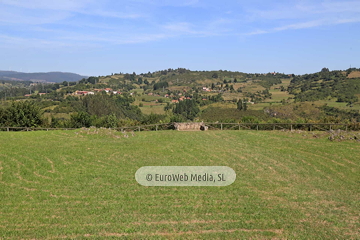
221 126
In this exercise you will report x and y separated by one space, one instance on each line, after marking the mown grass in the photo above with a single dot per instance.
229 113
340 105
155 108
261 106
277 96
65 184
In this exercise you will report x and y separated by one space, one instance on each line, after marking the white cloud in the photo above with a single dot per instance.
211 28
305 14
111 14
304 25
339 7
17 43
300 25
180 27
110 26
68 5
18 17
142 38
256 32
40 11
172 3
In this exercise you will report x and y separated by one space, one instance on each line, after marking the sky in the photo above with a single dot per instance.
97 38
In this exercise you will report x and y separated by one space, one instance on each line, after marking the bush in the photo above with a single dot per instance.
80 119
22 114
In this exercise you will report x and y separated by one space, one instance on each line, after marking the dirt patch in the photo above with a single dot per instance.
52 166
354 74
42 176
29 189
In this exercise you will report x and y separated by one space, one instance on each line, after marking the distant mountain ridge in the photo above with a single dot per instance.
56 77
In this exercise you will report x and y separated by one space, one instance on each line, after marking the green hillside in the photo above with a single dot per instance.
178 95
327 84
71 184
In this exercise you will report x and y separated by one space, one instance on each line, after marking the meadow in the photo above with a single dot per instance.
72 184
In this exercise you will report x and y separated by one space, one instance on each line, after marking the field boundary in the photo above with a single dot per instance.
220 126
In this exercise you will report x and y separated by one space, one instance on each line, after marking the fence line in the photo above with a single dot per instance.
222 126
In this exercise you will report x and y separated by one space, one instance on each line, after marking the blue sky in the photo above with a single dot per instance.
93 37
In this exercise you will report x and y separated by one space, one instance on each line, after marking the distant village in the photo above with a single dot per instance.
176 97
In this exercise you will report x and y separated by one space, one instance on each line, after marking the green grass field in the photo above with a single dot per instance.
156 108
339 105
60 184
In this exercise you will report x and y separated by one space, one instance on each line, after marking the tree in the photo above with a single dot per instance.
80 119
23 114
93 80
110 121
168 106
324 69
239 105
132 76
160 85
187 108
245 100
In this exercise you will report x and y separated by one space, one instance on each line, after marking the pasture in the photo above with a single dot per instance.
70 184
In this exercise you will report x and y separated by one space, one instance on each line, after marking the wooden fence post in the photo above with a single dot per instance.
221 126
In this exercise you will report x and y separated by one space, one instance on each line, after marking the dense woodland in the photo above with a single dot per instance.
116 100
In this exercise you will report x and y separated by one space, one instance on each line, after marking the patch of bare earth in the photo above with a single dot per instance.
354 74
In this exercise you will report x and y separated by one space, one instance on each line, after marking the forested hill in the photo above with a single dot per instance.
41 77
186 78
343 85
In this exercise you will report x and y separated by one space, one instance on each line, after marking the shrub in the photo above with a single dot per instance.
22 114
